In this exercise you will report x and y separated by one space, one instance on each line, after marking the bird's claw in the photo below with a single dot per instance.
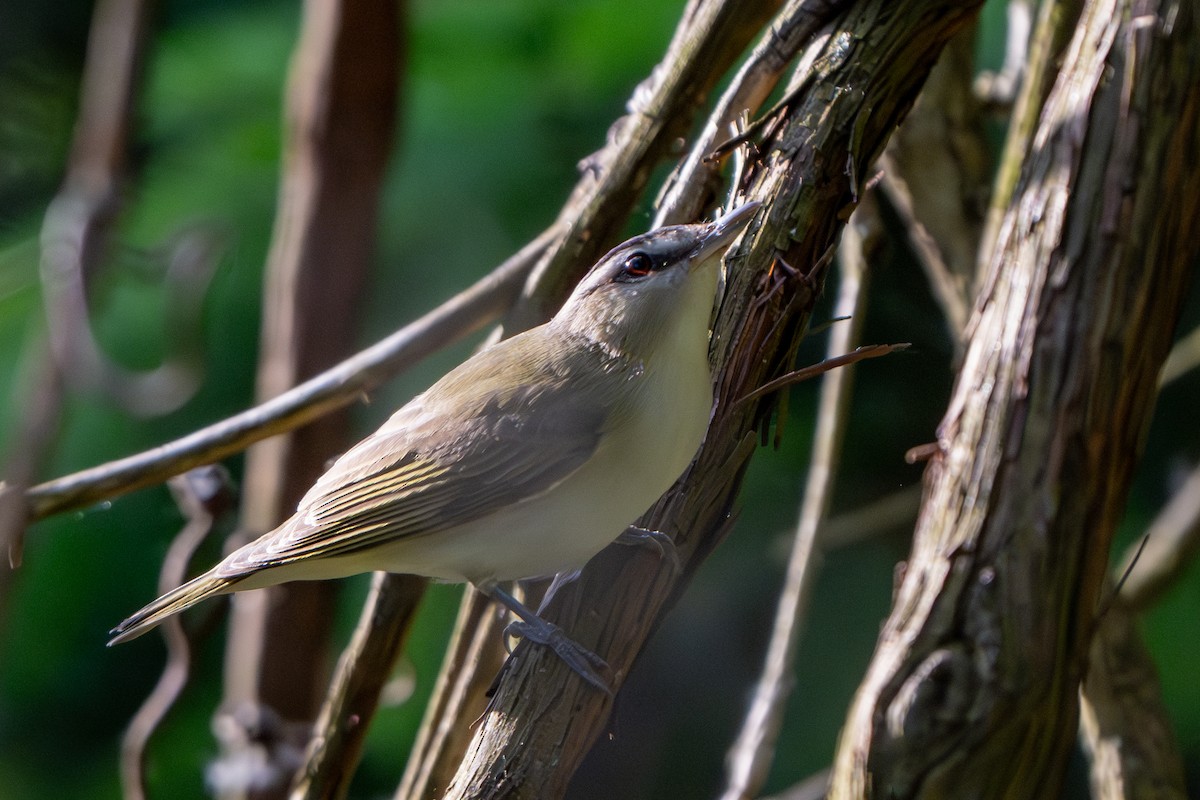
664 544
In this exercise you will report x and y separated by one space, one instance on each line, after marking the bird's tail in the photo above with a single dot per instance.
199 588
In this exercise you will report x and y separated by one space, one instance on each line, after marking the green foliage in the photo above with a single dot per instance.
501 101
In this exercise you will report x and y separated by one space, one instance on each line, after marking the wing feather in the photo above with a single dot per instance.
468 446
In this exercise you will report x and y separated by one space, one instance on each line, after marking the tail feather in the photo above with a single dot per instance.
198 589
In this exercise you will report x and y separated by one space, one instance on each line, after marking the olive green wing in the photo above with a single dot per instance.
438 464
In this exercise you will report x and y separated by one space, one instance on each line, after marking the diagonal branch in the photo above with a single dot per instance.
709 36
753 751
338 386
809 179
973 688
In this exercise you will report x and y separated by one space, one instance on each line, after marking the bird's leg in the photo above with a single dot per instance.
534 629
664 544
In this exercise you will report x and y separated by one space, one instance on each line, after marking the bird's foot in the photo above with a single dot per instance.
582 661
532 628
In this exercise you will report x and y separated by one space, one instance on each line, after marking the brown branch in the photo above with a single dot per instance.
709 36
364 669
973 688
894 511
1056 21
1123 724
341 385
204 495
690 190
543 718
753 751
340 122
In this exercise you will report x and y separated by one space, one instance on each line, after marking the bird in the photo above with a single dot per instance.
525 460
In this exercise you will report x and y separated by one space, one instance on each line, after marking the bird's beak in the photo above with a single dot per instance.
720 234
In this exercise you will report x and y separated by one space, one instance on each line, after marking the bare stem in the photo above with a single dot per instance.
339 386
754 750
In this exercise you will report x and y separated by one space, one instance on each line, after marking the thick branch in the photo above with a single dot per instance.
709 36
543 718
974 682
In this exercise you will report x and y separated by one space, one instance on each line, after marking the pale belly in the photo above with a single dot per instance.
568 524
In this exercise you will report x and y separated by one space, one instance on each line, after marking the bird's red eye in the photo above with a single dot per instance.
637 265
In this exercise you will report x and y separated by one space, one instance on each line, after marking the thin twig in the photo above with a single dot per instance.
1183 358
754 749
204 495
1171 543
684 196
831 363
894 511
341 385
948 285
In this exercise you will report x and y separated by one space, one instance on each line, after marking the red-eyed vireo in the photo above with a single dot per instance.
527 459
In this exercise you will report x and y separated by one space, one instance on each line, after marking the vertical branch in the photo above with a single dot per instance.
74 236
340 122
753 751
1056 20
973 688
935 175
204 496
1123 724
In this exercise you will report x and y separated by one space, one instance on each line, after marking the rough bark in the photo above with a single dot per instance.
812 165
973 688
1123 723
709 36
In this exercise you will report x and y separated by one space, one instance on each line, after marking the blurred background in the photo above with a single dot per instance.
501 101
